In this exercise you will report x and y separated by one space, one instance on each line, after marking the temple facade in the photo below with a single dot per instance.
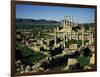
68 33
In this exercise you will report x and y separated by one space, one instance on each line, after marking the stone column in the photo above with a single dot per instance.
83 36
64 40
64 21
66 18
90 35
69 20
55 38
72 22
57 28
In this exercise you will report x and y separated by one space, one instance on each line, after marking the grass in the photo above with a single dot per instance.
83 60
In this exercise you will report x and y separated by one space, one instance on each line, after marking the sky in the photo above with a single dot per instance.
57 13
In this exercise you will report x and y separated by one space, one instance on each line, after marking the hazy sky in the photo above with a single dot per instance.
80 15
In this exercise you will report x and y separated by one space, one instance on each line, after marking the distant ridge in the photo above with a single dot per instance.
47 24
20 21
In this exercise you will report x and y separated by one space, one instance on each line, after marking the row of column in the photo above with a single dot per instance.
76 36
68 21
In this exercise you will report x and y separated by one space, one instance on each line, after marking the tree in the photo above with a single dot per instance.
28 56
87 52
